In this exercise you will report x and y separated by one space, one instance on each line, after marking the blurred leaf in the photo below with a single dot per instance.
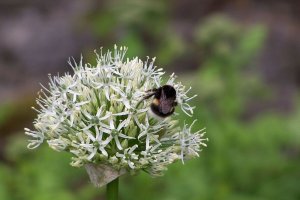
5 112
136 45
171 47
103 23
42 174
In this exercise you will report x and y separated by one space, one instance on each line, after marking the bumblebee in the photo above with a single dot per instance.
164 101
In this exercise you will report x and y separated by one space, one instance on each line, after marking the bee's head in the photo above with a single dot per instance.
169 91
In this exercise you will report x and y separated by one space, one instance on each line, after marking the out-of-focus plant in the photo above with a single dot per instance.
257 159
227 49
143 25
247 159
5 112
33 175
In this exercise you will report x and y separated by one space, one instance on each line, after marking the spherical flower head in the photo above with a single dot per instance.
100 115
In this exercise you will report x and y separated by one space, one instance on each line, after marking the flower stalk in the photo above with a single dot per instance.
112 190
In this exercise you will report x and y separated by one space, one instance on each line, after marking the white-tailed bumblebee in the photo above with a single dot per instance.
164 101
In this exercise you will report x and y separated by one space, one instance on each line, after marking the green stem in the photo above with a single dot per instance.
112 190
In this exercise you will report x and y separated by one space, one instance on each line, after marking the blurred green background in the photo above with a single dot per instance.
241 57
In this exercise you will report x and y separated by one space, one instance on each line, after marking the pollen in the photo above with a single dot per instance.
155 101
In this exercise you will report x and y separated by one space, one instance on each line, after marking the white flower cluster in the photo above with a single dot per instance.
98 114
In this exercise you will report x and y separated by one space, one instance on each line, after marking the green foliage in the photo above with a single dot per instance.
41 175
5 111
228 48
136 24
226 44
255 159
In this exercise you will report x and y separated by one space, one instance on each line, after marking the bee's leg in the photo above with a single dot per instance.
152 90
150 94
175 103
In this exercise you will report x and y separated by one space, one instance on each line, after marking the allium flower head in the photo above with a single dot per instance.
98 114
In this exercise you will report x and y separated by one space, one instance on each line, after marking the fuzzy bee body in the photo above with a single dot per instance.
164 101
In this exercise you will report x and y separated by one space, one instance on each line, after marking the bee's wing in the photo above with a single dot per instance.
165 106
